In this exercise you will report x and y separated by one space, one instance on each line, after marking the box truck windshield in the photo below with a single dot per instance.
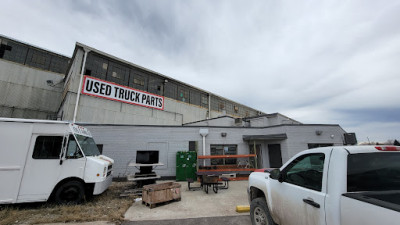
88 145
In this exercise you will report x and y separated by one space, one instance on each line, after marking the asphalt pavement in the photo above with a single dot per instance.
228 220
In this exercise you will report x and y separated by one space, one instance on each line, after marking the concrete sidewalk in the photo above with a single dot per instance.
194 204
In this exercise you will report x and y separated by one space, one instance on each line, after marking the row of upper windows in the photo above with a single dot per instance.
105 69
26 55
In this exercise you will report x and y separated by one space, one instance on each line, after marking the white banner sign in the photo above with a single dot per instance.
80 130
103 89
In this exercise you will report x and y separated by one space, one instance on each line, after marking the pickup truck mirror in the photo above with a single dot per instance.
275 174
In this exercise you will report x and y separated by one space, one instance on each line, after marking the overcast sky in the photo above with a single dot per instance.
335 62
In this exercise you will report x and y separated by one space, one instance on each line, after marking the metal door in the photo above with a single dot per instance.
275 155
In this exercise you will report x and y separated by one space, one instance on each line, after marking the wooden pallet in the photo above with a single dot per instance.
132 193
152 205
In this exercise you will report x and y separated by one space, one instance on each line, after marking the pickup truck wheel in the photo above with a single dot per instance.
71 192
259 212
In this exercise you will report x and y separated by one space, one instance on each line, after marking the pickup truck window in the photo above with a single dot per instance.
373 172
306 171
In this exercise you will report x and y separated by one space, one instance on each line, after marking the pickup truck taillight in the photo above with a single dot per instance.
388 148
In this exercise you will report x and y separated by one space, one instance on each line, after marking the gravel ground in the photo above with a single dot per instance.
108 206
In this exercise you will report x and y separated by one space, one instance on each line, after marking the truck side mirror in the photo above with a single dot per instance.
64 148
280 178
275 174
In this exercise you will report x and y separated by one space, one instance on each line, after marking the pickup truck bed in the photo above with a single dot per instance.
387 199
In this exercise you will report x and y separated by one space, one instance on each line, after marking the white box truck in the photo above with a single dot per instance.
42 160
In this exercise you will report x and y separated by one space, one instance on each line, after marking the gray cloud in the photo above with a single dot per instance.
315 61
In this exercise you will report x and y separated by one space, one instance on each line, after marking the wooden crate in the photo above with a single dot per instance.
158 193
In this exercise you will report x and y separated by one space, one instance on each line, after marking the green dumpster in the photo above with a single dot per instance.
186 165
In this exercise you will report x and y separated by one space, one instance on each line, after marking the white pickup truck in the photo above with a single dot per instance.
331 186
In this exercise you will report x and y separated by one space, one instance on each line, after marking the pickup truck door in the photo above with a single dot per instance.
297 197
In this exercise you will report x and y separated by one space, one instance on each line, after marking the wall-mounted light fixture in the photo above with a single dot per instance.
223 134
318 132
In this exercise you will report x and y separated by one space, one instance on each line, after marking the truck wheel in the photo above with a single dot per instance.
259 212
71 192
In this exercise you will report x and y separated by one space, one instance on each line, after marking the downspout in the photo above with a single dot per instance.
80 84
204 133
255 152
209 106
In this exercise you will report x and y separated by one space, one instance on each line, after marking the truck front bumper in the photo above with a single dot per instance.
100 187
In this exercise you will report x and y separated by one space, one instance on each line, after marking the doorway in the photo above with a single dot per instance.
275 155
256 149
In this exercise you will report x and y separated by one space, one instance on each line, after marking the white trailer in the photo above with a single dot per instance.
42 159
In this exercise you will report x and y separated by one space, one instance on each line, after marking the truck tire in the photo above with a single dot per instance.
259 212
71 192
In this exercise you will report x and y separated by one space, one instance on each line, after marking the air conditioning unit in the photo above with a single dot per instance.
238 121
350 139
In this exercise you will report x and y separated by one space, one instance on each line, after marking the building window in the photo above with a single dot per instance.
223 150
204 100
58 64
221 106
170 90
194 97
155 85
116 75
193 146
3 49
138 81
96 66
12 51
183 95
47 147
38 59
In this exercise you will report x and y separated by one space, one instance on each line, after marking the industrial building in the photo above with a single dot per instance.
130 108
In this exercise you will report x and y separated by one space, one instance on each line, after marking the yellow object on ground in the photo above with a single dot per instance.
242 208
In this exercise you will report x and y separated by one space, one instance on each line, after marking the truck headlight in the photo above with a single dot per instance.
105 171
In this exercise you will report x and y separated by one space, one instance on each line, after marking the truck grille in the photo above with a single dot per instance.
109 170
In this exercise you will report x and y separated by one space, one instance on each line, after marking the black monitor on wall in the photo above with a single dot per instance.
147 157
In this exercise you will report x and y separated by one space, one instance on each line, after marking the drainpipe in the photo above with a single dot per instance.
209 106
203 133
80 84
